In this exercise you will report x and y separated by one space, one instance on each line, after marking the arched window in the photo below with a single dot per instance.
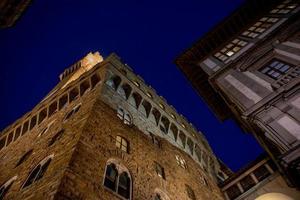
118 180
74 94
145 108
124 185
190 145
174 131
135 99
157 197
62 102
154 116
95 79
84 87
111 177
164 125
121 143
38 172
24 157
72 112
198 153
181 139
5 187
114 82
124 90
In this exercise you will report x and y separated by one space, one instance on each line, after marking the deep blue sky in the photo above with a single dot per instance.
147 35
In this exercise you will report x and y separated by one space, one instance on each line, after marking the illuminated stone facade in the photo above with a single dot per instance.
102 133
247 68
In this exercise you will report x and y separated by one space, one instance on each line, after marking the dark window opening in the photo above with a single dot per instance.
2 142
56 137
24 157
10 138
52 109
18 132
84 87
33 122
74 94
42 115
111 177
37 173
95 79
4 189
261 173
233 192
156 115
63 101
24 129
124 185
147 106
247 183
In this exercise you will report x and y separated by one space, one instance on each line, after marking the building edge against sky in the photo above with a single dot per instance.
247 68
103 133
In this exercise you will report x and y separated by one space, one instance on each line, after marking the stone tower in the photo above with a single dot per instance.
102 133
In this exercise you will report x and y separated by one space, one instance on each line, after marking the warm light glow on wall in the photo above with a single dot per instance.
274 196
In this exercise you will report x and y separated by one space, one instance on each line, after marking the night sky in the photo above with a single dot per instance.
147 35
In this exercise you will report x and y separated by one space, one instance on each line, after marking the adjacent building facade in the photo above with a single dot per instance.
102 133
247 68
259 180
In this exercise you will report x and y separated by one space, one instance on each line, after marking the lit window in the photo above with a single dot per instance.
162 106
284 8
230 49
149 94
121 143
46 129
160 170
180 161
136 83
173 116
38 172
275 69
260 26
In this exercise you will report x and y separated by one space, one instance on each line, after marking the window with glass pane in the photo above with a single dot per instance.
230 49
275 69
247 183
111 177
261 173
285 7
233 192
124 185
122 144
260 27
